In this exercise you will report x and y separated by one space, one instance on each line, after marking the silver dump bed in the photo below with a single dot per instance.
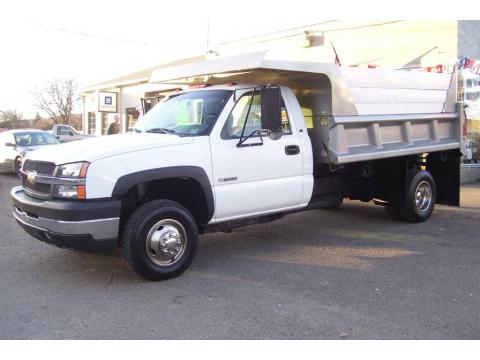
352 114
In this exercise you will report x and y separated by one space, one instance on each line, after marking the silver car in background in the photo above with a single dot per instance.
15 144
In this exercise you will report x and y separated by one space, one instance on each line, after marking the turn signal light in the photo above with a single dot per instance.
81 193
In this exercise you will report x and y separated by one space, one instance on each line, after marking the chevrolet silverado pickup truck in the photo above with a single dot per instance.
250 139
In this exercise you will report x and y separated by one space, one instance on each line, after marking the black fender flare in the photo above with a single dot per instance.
126 182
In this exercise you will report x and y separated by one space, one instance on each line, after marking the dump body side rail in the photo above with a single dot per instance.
372 137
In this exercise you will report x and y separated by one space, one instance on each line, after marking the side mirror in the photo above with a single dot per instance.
271 108
70 133
9 144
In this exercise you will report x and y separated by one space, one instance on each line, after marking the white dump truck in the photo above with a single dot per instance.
249 140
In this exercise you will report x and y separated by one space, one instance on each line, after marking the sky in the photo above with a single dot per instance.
93 41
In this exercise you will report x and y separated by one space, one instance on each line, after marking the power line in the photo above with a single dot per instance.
275 32
307 26
364 26
166 45
107 38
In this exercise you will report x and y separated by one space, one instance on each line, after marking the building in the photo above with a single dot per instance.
398 44
126 96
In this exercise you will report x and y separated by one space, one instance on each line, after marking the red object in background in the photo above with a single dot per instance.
370 66
469 63
434 69
465 129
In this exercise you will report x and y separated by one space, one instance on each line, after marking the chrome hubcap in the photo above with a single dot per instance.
423 196
166 242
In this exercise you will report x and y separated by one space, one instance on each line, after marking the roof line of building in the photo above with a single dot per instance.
137 77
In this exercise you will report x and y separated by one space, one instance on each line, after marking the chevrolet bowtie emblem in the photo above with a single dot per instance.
31 178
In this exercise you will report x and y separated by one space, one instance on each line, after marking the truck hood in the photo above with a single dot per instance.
96 148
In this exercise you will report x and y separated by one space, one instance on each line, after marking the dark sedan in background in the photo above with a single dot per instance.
15 144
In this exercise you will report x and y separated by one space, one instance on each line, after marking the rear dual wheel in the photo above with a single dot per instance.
419 200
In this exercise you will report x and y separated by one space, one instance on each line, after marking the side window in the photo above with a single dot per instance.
23 139
39 140
63 130
236 120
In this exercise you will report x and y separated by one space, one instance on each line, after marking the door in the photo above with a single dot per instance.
258 179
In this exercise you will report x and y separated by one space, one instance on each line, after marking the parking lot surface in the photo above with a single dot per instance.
349 273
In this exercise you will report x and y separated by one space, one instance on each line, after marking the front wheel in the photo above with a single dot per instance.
160 239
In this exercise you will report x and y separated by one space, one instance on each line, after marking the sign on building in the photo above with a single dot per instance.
107 102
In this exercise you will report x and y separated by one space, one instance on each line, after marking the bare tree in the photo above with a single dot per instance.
57 99
10 119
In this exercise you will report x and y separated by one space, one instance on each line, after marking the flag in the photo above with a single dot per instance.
337 59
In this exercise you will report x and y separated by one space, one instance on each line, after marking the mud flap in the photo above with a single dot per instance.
445 169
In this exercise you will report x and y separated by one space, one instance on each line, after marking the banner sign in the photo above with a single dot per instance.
107 102
440 68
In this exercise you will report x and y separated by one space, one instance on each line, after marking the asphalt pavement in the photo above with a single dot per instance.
349 273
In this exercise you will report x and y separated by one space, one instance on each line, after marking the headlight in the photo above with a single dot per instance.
66 191
75 190
73 170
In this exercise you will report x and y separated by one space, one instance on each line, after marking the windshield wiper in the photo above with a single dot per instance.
161 131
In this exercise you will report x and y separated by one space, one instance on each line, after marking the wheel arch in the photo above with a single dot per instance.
192 178
17 157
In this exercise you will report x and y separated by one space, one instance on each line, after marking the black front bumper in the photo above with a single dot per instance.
81 242
79 225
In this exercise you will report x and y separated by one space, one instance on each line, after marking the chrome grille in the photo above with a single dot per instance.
40 167
39 188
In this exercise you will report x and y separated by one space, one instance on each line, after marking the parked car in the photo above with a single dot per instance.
15 144
66 133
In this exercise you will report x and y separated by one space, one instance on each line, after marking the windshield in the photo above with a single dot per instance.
188 114
35 139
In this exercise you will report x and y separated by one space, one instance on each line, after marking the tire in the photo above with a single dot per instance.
160 240
420 198
393 212
18 165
